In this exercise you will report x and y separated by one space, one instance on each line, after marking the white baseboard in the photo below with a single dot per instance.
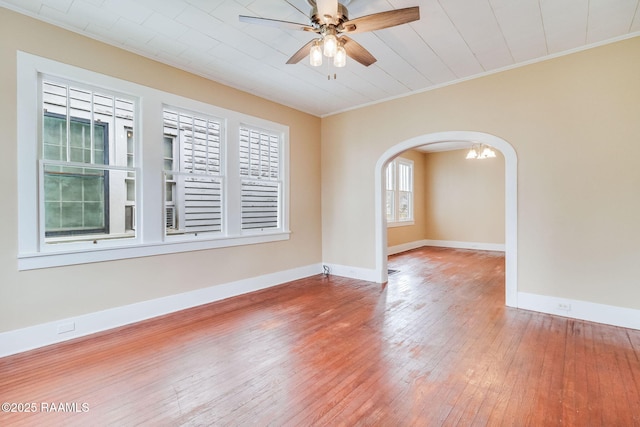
359 273
466 245
32 337
392 250
582 310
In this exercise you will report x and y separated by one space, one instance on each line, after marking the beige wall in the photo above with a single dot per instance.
415 232
37 296
574 124
464 198
456 199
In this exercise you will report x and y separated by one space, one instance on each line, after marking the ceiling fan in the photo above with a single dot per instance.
330 19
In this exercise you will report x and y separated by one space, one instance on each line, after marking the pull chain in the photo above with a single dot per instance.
335 75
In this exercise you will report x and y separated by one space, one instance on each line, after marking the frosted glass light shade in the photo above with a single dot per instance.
487 153
315 56
340 59
330 45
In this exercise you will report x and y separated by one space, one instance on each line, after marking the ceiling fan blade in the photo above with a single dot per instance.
327 10
285 25
300 54
378 21
357 52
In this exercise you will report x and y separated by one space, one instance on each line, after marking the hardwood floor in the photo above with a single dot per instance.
435 346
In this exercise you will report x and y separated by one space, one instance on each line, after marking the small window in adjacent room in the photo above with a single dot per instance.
399 192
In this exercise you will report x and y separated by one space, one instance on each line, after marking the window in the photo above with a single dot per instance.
193 173
399 192
98 181
86 163
260 177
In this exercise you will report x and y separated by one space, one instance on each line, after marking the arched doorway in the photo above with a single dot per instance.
511 200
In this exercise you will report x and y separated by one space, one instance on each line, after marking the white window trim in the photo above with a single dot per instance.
242 178
150 237
399 223
178 170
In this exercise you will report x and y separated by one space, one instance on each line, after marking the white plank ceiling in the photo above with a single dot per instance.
453 40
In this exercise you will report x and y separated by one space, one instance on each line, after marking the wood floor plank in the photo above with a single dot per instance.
434 346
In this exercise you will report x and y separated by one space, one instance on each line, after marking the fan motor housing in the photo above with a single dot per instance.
342 16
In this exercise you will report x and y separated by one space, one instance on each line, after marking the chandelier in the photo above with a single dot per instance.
481 151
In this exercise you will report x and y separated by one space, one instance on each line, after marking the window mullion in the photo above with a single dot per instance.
233 182
396 194
68 123
91 130
394 190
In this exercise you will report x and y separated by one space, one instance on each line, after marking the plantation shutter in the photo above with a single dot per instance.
405 191
391 191
197 172
202 204
260 179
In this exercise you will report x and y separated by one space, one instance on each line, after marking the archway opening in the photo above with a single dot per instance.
511 197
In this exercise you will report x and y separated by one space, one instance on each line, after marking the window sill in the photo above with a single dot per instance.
400 224
33 261
87 238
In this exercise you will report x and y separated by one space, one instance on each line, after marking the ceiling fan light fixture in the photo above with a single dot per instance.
340 58
330 44
329 19
315 56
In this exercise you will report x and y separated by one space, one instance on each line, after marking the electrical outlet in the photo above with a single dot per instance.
564 306
63 328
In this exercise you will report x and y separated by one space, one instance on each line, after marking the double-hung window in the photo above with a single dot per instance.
399 192
98 180
193 163
260 179
86 171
